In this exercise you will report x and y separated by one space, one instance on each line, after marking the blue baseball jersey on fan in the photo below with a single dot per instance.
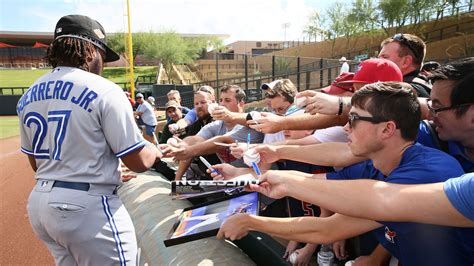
455 149
415 243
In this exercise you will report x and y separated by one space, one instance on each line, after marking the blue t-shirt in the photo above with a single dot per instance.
455 149
460 192
191 116
415 243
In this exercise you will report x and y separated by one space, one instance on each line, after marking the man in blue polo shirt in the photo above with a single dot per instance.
382 126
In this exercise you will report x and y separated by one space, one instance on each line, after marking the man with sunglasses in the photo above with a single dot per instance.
408 52
383 126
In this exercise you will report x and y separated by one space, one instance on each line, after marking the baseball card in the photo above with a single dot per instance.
182 189
204 220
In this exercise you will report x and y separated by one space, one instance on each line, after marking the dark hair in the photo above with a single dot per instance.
70 52
462 73
284 88
391 101
239 92
409 45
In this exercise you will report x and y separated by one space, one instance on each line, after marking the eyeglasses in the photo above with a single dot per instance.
354 117
403 40
435 111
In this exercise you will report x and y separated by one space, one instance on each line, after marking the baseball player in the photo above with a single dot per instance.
75 125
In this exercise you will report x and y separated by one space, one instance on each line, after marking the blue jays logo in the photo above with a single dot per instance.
390 235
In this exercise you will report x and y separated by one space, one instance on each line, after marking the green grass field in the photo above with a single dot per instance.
24 78
9 127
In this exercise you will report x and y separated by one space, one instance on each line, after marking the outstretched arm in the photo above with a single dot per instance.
302 229
375 200
335 154
274 123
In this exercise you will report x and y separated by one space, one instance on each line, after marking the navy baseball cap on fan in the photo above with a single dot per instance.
87 29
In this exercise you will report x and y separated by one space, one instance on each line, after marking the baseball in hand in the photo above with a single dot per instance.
211 107
251 156
292 257
172 142
301 102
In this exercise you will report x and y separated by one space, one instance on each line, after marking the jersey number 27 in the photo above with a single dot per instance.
61 118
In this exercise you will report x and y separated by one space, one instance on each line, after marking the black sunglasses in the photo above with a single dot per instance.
435 111
354 117
399 37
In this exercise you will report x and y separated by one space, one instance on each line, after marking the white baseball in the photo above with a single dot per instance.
251 156
172 142
292 257
301 101
255 115
211 107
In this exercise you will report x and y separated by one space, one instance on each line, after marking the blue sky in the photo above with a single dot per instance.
241 19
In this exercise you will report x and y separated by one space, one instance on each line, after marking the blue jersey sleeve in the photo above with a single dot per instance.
460 192
191 116
362 170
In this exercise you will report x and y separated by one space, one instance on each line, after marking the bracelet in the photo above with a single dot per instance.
341 103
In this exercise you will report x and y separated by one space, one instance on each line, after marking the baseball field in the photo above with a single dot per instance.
9 127
25 77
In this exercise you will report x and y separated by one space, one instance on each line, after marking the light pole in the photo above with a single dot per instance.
285 26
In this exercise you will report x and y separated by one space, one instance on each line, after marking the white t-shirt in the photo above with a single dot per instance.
331 134
148 115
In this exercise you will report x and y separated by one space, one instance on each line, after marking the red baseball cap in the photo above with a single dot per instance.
336 89
374 70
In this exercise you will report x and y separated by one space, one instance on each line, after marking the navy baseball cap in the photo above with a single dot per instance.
87 29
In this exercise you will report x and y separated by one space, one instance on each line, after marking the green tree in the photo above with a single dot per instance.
314 27
172 49
119 43
393 13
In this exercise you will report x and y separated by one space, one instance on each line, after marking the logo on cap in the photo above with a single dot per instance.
58 30
99 33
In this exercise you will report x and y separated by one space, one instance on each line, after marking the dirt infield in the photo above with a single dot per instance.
19 244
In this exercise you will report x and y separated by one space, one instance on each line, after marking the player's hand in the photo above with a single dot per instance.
235 227
222 113
183 153
268 123
319 102
237 149
268 153
226 171
339 248
274 183
126 174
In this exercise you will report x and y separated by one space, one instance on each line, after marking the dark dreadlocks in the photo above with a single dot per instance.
70 52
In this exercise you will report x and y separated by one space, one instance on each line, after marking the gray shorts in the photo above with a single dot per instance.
83 227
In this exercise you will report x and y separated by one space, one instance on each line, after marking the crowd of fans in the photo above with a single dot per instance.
379 164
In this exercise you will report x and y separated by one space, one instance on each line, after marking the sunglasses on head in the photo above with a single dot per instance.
399 37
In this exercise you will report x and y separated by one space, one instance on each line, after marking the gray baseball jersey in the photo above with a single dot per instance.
75 130
76 125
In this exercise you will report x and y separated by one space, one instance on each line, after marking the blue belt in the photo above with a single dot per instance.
72 185
76 186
